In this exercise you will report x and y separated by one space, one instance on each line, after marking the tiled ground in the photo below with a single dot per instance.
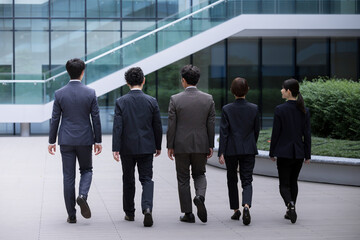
32 207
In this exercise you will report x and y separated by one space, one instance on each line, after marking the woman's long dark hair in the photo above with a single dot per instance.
294 87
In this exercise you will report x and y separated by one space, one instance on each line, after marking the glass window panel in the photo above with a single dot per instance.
31 47
311 58
277 66
6 128
101 34
69 35
40 128
103 8
169 83
243 61
132 29
67 8
6 8
212 64
6 61
344 58
31 8
167 7
135 8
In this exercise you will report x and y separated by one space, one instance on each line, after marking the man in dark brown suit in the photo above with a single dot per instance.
190 139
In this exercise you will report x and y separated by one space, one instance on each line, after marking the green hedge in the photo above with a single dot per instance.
334 105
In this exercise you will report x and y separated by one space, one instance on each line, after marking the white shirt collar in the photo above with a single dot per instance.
191 87
135 88
75 80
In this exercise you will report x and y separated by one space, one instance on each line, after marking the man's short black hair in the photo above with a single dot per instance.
74 67
134 76
191 74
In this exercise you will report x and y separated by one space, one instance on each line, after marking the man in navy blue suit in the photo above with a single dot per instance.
137 135
76 105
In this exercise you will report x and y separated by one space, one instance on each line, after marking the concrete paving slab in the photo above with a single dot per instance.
32 205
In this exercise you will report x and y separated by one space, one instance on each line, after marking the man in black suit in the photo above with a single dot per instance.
137 135
74 104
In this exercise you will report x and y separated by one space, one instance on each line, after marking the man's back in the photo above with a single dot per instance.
191 122
75 103
138 128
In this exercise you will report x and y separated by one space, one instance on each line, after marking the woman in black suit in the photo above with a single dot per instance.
239 131
290 143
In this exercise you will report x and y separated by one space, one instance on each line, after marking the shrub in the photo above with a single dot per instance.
334 106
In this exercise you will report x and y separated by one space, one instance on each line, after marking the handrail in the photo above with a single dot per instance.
121 46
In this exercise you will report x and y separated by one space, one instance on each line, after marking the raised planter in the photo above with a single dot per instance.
322 169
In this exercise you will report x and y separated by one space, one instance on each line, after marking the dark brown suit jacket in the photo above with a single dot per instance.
191 123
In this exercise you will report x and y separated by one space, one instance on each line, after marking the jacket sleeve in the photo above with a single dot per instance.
211 124
257 125
54 122
275 132
224 133
170 135
307 136
157 126
117 129
95 118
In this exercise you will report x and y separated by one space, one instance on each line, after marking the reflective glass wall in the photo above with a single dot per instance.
39 35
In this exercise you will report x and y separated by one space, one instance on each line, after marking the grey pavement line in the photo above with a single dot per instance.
42 197
107 210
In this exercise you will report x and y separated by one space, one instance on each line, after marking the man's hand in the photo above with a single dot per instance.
116 156
273 159
211 151
171 153
307 161
222 159
52 149
157 153
97 149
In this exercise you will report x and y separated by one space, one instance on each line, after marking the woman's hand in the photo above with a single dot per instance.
307 161
222 159
273 159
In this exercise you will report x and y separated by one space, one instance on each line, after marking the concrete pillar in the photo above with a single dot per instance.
25 129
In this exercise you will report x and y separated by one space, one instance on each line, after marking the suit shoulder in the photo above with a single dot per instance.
205 94
252 105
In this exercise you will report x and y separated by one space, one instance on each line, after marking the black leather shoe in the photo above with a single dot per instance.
246 216
286 216
129 218
188 217
71 219
201 209
85 210
148 220
236 215
291 212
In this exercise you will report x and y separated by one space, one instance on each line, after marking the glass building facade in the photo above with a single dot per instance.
37 36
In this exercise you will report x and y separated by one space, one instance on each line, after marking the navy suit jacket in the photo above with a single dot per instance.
74 104
137 125
239 128
291 133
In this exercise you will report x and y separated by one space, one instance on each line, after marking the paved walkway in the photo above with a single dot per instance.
32 207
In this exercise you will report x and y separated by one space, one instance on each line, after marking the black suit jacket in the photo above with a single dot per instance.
291 134
137 125
74 104
239 128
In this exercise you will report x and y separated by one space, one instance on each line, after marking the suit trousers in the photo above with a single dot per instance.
289 170
145 169
197 161
84 156
246 165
